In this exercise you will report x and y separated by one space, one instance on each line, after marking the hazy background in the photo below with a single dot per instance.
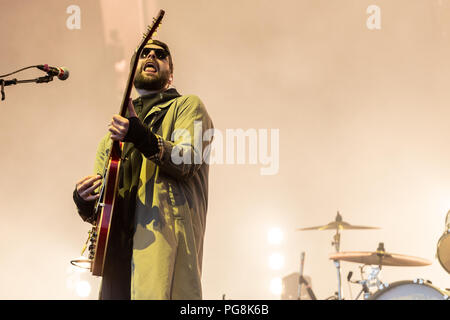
363 118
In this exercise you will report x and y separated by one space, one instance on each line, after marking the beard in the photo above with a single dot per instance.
155 83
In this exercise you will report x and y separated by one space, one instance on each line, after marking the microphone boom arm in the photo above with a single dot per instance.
5 83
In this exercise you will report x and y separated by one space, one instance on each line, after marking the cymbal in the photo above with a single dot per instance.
380 258
338 224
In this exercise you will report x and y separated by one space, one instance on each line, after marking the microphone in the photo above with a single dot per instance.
61 72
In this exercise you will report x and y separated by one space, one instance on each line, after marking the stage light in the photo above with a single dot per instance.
275 236
276 286
276 261
120 66
83 289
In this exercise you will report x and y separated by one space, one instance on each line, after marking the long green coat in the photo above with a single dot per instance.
156 242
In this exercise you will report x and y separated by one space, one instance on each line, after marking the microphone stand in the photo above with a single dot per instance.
5 83
308 288
300 282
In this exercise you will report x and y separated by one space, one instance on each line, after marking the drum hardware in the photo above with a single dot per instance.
417 289
421 281
376 260
372 281
363 283
443 246
338 224
338 269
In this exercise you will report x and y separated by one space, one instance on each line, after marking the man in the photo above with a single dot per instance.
156 239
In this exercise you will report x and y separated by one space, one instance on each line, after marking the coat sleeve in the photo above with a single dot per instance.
86 208
187 150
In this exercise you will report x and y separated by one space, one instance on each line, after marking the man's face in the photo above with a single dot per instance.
153 70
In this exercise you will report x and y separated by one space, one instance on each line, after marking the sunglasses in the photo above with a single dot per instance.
161 54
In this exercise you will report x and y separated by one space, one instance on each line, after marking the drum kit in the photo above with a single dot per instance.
372 287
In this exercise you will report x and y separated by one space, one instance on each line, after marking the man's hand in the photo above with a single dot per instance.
87 185
119 125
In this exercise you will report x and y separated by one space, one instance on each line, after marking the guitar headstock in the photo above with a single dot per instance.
133 65
151 30
155 24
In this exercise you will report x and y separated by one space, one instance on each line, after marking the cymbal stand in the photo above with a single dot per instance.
336 243
371 281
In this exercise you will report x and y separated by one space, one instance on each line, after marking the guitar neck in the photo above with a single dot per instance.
135 59
116 149
127 92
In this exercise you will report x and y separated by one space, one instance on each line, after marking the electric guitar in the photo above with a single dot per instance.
104 208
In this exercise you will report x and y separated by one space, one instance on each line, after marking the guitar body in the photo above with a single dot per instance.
106 209
105 206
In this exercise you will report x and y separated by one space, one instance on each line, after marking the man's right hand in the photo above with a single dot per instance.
87 185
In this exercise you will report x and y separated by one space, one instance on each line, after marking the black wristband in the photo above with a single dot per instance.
136 130
85 208
143 139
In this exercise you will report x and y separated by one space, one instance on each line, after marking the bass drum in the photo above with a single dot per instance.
410 290
443 251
